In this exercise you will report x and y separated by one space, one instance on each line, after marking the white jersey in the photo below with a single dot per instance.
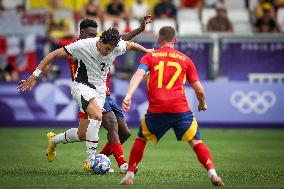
92 65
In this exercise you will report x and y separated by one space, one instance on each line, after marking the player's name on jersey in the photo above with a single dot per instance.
166 54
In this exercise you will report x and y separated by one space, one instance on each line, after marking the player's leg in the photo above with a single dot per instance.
204 156
113 146
90 102
69 136
186 129
94 111
136 155
123 131
153 127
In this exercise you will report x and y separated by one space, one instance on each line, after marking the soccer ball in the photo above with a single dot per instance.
100 164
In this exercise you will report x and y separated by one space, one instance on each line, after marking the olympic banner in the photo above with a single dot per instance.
233 104
238 59
241 102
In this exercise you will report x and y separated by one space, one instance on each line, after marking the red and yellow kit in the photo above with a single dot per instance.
168 71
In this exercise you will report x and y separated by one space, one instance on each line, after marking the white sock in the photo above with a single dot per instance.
68 136
92 137
212 172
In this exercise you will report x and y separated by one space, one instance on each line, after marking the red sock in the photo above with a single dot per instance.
106 150
136 154
204 156
117 152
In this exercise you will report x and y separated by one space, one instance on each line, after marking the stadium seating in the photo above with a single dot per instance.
242 28
189 27
188 14
235 4
158 23
206 15
238 15
241 20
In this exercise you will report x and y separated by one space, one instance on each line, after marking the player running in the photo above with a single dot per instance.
168 108
94 55
113 118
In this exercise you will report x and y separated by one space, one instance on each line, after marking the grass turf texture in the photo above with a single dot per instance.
243 158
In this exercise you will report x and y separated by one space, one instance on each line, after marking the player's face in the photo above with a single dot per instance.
105 49
89 32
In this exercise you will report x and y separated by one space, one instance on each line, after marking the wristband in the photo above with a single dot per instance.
37 72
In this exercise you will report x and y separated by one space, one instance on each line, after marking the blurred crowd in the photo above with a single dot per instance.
187 16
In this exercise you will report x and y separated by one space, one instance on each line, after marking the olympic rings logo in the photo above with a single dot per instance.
253 101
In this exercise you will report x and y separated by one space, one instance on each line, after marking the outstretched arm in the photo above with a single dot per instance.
134 83
31 81
200 94
130 35
136 47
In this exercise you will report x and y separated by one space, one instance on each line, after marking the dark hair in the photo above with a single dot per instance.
86 23
167 33
111 36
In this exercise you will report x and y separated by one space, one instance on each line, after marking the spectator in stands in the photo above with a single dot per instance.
165 9
267 23
91 10
220 22
258 10
139 9
20 9
115 9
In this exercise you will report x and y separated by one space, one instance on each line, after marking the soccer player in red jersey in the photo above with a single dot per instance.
168 108
113 118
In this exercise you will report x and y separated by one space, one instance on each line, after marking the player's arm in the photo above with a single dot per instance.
31 81
136 47
130 35
193 79
200 94
134 83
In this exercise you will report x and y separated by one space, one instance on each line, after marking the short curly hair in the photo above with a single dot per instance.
111 36
86 23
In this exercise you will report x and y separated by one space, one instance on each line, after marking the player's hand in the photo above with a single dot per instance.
146 20
126 103
202 107
27 84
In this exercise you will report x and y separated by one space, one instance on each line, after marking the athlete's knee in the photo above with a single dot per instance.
109 122
193 142
97 116
81 135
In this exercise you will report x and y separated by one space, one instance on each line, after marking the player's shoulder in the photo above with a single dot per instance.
91 39
186 58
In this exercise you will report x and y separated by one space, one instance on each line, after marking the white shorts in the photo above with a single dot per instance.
83 94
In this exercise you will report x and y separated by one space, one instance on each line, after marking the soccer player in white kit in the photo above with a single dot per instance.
95 55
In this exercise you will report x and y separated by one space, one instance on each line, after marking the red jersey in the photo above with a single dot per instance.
73 65
168 71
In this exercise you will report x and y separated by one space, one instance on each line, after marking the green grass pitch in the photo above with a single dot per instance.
243 158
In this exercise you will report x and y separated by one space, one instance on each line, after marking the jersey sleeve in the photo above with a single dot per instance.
145 60
191 73
121 48
74 48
